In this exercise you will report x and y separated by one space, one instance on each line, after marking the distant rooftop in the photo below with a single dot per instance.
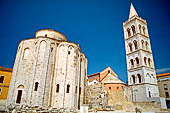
5 69
164 74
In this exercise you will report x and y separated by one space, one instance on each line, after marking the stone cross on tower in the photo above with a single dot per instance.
140 64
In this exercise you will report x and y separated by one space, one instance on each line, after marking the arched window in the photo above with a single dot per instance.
133 79
136 45
139 77
130 47
52 49
146 44
132 63
143 30
149 94
57 88
149 61
128 31
26 53
68 88
142 42
148 75
133 29
140 28
137 60
68 52
145 60
20 89
36 86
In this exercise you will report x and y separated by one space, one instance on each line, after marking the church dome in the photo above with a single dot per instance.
49 33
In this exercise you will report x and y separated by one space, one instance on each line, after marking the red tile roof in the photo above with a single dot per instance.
164 74
5 69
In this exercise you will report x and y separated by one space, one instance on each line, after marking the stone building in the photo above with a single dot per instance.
164 87
101 86
5 77
109 79
49 73
140 63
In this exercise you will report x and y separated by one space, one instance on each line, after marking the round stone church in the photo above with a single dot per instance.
48 72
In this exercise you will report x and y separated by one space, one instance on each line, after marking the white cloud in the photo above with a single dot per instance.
162 70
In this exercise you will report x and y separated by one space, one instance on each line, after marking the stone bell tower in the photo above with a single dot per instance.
139 58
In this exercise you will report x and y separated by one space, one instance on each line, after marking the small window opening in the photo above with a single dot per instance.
19 96
143 30
146 44
132 62
36 86
140 28
69 52
80 91
45 35
130 47
149 61
51 49
165 87
117 87
129 34
137 60
108 71
1 79
167 94
145 60
110 88
139 77
149 94
68 88
133 77
57 88
133 29
142 43
136 45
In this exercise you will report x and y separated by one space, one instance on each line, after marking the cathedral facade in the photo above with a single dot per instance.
140 63
49 71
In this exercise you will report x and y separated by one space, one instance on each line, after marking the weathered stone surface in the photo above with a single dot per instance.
49 72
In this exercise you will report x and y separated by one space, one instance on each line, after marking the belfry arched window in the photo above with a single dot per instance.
139 78
128 31
136 45
144 30
140 28
145 60
132 63
149 94
146 44
149 61
133 79
130 47
133 29
137 60
142 42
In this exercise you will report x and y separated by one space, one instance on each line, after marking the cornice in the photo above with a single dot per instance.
138 51
136 35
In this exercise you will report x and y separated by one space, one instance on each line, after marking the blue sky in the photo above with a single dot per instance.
96 25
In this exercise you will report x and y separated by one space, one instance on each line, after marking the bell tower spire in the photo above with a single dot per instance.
132 11
140 62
